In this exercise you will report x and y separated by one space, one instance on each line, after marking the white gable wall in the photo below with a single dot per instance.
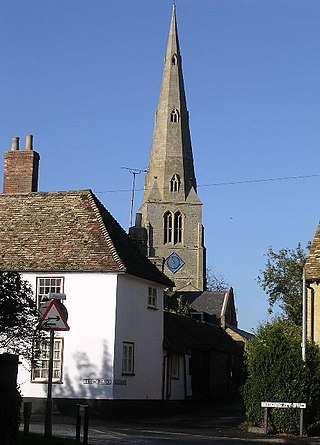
144 327
89 345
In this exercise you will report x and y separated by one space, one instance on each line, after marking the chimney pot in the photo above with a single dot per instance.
15 143
29 142
138 222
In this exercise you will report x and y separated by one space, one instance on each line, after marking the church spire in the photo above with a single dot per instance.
171 211
171 154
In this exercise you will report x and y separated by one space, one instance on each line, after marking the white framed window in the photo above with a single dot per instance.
174 366
128 358
152 297
40 363
48 284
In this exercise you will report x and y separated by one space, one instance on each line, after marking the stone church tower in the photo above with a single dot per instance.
171 211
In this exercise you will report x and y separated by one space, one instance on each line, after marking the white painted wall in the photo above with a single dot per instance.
137 323
89 345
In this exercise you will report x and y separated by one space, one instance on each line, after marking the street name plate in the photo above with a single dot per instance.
283 405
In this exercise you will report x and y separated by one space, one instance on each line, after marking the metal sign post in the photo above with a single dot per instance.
268 405
48 414
54 318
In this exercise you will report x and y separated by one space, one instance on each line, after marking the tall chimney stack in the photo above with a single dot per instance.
20 174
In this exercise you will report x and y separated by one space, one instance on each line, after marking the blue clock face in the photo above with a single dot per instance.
174 262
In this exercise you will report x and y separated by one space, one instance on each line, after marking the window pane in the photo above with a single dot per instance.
41 355
128 358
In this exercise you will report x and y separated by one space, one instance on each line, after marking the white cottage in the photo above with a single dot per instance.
67 242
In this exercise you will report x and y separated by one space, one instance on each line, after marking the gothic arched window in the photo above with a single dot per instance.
167 226
175 183
174 116
177 236
174 59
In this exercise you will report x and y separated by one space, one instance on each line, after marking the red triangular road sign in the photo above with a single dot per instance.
53 318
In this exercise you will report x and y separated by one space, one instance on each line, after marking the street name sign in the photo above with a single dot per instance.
283 405
54 319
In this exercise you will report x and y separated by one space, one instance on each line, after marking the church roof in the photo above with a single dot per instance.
182 334
67 231
313 261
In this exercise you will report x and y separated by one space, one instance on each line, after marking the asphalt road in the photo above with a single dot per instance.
103 433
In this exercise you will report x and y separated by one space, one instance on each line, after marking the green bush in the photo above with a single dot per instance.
10 404
276 373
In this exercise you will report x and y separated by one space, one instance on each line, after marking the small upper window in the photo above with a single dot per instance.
152 297
175 183
46 285
174 59
174 116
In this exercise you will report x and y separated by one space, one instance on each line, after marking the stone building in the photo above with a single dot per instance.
312 269
171 209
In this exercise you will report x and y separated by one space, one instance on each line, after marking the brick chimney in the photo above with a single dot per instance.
20 172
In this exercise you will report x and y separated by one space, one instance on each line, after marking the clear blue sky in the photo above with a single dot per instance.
83 77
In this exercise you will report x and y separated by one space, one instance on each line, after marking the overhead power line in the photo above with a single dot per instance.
218 184
250 181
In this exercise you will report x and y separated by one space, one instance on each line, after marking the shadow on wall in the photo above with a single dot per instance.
91 380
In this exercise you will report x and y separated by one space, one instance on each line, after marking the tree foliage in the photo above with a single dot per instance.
18 314
276 373
176 304
282 281
215 281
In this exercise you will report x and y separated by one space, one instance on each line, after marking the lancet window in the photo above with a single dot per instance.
174 59
177 238
173 227
167 220
174 116
175 183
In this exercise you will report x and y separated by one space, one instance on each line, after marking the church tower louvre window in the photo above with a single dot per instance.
167 224
174 117
175 183
174 59
177 224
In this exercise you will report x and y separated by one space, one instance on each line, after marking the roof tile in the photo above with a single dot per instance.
67 231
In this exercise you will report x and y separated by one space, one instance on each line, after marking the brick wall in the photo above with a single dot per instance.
21 167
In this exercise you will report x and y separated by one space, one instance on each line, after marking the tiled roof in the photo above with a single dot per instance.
182 334
67 231
313 261
210 302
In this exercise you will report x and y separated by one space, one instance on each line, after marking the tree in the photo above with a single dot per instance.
176 304
282 281
216 282
18 315
277 373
